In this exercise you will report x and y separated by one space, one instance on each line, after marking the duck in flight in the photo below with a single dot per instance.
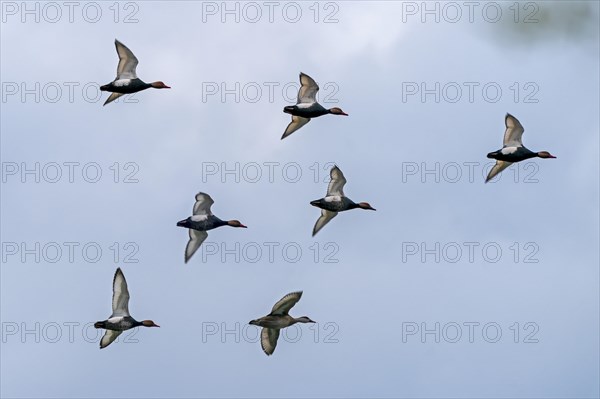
335 201
127 81
120 320
276 320
512 149
307 106
200 222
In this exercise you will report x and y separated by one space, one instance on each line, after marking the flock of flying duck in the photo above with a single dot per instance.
334 201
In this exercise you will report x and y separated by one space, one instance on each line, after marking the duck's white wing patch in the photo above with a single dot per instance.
498 167
283 306
108 337
127 62
268 340
196 239
336 185
121 82
308 89
112 97
203 204
296 123
120 301
304 105
513 133
509 150
325 217
199 218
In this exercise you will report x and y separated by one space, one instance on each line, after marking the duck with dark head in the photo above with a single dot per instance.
335 201
307 106
200 222
120 320
512 149
127 81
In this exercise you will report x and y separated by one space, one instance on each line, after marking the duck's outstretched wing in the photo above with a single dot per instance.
283 306
308 90
112 97
203 204
296 123
120 300
325 217
513 133
108 337
337 183
127 62
268 340
196 239
498 167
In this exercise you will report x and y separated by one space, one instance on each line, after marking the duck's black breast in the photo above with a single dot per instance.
348 204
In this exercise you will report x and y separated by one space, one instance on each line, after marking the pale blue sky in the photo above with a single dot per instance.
375 289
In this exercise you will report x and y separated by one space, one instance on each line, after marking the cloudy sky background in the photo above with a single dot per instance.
372 52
